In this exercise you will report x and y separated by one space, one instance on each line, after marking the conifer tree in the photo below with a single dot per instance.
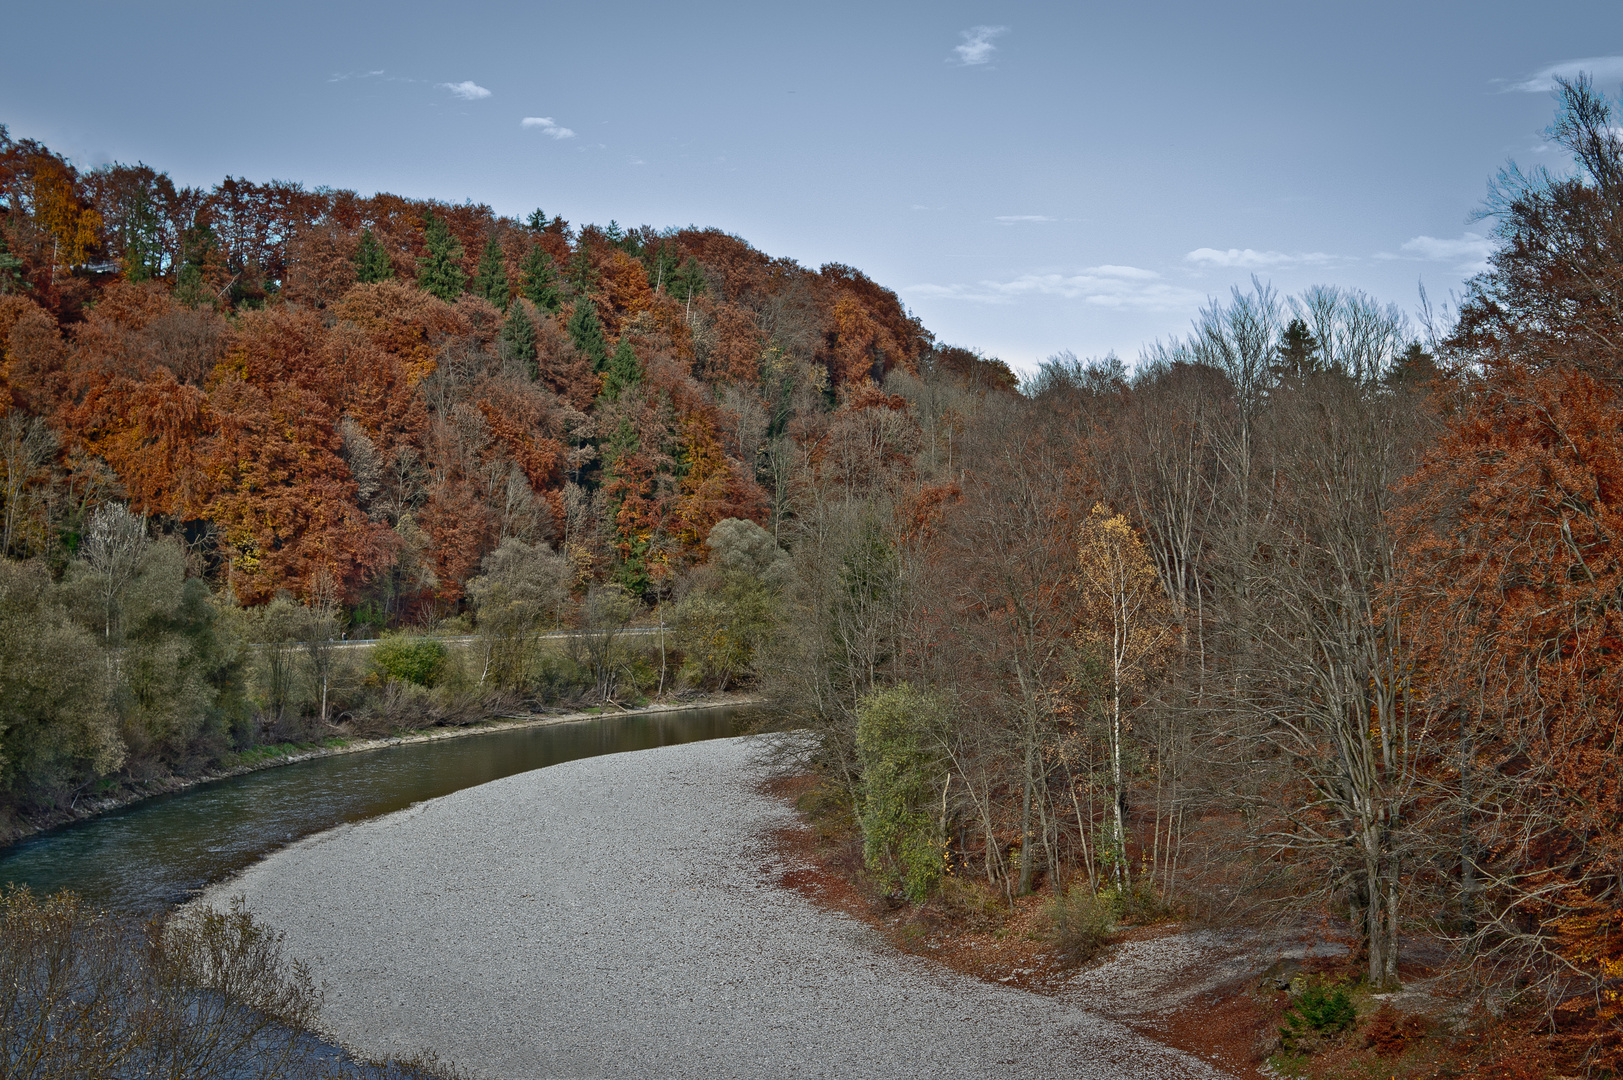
371 262
11 279
688 281
623 370
541 281
537 221
491 281
518 339
582 274
587 332
440 271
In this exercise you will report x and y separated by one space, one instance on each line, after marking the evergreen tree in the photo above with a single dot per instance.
518 339
440 271
541 281
660 262
11 279
371 262
587 333
582 274
537 221
688 281
623 370
1298 351
491 281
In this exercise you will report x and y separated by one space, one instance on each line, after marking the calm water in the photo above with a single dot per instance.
161 851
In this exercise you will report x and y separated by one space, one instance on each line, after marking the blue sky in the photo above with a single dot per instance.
1029 177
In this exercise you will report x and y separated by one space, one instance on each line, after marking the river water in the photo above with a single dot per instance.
164 850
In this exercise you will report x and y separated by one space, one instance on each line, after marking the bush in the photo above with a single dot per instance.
1317 1011
83 993
411 658
901 774
1079 925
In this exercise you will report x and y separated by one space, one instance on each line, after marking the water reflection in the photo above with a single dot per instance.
159 852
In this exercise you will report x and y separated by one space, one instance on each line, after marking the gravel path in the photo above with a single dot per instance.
617 917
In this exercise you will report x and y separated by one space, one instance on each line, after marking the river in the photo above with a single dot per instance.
162 851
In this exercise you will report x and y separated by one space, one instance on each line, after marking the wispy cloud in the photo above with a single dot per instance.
1102 286
1599 68
356 75
1015 219
467 90
977 48
1468 254
1251 259
548 126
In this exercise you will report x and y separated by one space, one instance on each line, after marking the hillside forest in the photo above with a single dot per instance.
1312 609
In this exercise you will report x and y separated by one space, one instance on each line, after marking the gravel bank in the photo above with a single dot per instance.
618 917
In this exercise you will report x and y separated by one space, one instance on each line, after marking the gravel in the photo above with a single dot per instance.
618 917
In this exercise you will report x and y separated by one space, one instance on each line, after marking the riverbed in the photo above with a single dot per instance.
621 916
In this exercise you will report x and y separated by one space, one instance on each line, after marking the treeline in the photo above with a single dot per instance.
1313 609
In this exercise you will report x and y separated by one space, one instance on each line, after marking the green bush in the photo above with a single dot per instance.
1079 925
901 776
411 658
1317 1011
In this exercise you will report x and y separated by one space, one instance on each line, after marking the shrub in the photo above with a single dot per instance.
901 774
410 658
1317 1011
1079 925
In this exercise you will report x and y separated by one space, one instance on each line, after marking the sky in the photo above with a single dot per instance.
1028 177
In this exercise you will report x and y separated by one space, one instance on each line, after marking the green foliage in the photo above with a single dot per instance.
56 725
524 588
659 260
902 775
1079 924
541 281
688 281
518 339
440 271
11 278
537 221
734 605
582 275
586 331
1317 1011
411 658
623 370
491 280
371 261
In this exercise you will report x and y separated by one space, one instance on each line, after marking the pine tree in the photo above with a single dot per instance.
518 339
587 333
624 370
11 279
440 271
537 221
541 281
371 262
582 274
491 281
1298 351
688 281
660 262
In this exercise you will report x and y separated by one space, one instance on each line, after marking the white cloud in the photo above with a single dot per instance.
1010 219
467 90
977 47
1102 286
1251 259
1600 68
356 75
548 126
1469 253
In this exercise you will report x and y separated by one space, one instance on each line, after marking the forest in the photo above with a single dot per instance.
1314 609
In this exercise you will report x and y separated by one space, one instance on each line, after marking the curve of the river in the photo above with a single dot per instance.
161 851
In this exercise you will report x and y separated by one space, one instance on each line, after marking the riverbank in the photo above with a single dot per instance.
280 754
624 916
